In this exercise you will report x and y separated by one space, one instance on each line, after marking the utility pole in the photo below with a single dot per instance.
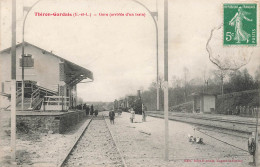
157 64
166 155
257 160
28 9
13 84
153 15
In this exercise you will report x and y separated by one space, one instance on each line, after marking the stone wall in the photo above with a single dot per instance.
57 123
70 119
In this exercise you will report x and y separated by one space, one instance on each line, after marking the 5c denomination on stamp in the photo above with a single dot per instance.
240 24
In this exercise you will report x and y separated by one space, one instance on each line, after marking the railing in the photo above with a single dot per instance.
56 103
52 88
18 96
47 91
35 98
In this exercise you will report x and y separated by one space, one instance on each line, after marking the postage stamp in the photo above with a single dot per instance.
240 24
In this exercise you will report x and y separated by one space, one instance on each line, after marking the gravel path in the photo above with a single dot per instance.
95 148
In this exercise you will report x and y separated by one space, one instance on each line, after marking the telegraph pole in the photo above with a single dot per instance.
23 54
13 83
157 64
166 155
257 160
153 15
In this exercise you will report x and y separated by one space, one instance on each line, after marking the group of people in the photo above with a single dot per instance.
244 110
132 114
90 110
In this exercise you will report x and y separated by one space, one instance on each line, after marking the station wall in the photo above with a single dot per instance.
49 122
45 70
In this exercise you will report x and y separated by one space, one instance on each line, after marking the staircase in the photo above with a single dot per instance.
47 92
18 95
35 99
37 95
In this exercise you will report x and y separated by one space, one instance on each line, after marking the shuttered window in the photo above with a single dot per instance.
28 61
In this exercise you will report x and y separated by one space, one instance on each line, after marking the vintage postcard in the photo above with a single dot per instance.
129 83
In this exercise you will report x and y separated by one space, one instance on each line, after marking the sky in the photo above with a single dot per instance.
120 50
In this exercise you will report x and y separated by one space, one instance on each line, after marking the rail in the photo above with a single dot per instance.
56 103
74 144
47 91
122 158
240 127
79 137
211 118
18 95
35 97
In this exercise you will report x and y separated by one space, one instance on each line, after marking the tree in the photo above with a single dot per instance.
175 82
257 74
240 81
221 74
226 58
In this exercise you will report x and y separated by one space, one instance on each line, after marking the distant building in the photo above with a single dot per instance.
50 81
204 103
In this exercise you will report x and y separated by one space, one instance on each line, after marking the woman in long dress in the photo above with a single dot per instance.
237 21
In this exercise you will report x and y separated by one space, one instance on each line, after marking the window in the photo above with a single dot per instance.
28 61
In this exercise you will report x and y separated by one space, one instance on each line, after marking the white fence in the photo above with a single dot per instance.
55 103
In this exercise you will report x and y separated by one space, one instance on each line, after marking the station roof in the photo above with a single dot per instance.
73 72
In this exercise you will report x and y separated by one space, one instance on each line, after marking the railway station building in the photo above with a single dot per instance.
50 80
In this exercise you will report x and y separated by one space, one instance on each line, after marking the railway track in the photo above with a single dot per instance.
95 147
213 118
231 127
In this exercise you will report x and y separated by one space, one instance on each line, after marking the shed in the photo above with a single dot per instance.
204 102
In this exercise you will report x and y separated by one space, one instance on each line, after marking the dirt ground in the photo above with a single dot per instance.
140 143
36 149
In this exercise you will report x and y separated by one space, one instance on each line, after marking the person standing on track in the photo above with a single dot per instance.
112 117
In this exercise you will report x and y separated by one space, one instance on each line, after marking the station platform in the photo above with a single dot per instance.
142 144
34 148
51 121
229 122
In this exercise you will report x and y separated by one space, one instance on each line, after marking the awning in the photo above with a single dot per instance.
75 73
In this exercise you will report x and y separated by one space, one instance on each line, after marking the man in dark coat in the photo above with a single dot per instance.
112 116
87 110
96 112
91 109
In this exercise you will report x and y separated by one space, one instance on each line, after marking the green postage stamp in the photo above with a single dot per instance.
240 24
